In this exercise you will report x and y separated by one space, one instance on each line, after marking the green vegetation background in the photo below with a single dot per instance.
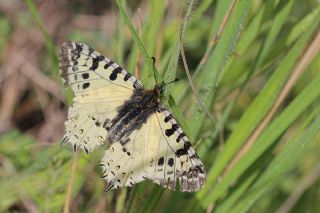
255 66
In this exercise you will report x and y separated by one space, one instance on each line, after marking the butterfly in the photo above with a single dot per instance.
112 106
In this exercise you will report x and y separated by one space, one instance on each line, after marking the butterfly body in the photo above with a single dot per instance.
133 114
111 107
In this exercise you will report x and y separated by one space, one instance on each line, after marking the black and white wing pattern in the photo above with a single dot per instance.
158 151
100 86
110 105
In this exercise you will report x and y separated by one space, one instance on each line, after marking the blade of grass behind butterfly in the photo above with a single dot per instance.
171 71
239 194
258 109
136 38
151 36
283 163
119 40
213 69
48 41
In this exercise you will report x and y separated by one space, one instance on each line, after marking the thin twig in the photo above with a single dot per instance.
66 207
35 76
194 90
306 59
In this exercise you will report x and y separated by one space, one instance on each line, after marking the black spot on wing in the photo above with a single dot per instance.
180 136
95 62
85 85
160 161
78 48
106 124
187 145
124 141
114 74
86 150
184 150
168 118
170 132
85 75
126 77
171 162
107 65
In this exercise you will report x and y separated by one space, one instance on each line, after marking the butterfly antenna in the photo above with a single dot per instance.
154 69
175 80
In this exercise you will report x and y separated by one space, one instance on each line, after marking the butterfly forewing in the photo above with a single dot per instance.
100 87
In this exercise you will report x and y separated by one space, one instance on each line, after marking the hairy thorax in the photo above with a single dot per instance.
132 114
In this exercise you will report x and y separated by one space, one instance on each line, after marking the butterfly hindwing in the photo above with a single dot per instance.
100 87
158 151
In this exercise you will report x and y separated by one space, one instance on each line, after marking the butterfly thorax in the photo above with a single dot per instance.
133 114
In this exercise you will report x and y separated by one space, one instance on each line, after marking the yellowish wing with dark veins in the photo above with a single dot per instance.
158 151
100 86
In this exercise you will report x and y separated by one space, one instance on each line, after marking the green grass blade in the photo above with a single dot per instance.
136 38
49 42
302 26
213 69
170 73
278 22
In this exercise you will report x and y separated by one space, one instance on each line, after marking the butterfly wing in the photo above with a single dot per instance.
100 86
159 151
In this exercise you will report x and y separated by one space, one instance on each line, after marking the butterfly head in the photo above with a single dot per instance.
160 88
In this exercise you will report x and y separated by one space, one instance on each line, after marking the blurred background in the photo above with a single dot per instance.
253 114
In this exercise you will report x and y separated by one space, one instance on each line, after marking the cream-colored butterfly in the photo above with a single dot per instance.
111 105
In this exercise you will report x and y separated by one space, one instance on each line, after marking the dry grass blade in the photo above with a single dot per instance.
66 207
39 79
301 66
194 90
